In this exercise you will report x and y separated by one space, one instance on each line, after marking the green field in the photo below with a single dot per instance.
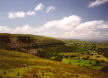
85 63
30 56
21 65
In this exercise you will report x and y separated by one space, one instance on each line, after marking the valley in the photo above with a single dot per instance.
31 56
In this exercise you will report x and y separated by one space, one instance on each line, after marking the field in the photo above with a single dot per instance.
21 65
29 56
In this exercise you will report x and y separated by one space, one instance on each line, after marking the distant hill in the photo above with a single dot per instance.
26 43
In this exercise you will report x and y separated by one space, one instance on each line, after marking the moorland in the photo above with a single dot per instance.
33 56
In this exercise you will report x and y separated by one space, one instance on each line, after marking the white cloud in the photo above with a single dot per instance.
12 15
19 14
67 27
72 27
66 23
4 29
97 2
39 7
90 25
50 8
30 13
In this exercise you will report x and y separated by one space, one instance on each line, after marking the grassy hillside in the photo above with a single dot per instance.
21 65
41 46
21 57
27 43
25 39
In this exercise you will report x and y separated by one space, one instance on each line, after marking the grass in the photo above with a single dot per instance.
21 65
85 63
92 60
39 39
15 64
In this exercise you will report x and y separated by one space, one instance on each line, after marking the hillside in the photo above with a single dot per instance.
22 65
41 46
26 43
32 56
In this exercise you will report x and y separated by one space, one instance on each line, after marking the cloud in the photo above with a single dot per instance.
65 23
73 27
67 27
50 8
97 3
4 29
16 15
39 7
20 14
30 13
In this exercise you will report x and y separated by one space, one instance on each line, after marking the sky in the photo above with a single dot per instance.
73 19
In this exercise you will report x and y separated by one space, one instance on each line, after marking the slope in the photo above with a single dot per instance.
21 65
